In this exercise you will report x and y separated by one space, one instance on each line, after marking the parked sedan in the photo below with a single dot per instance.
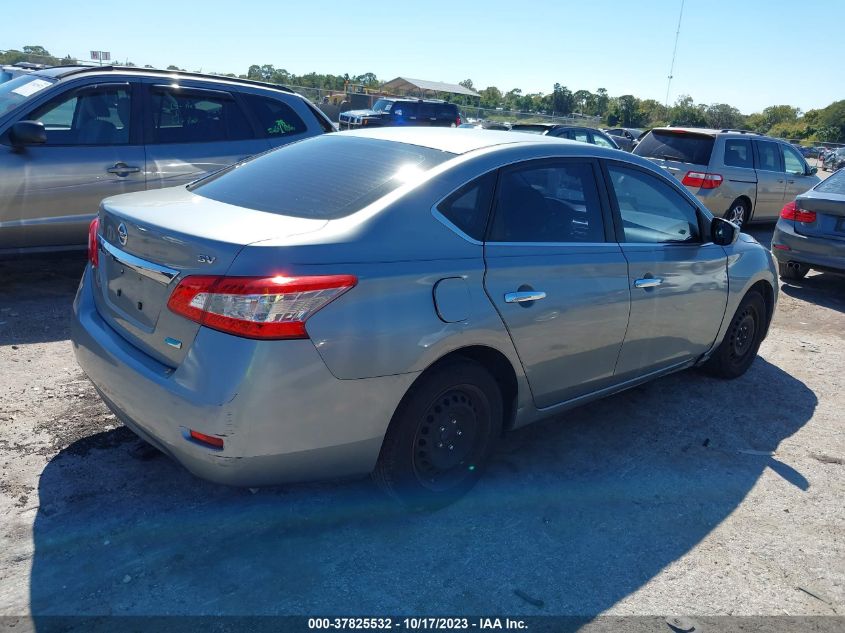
571 132
392 300
811 231
626 138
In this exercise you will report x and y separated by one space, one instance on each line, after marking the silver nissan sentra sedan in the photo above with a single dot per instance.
391 301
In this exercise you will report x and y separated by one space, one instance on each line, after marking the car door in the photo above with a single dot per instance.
192 131
678 278
49 193
556 276
798 177
771 180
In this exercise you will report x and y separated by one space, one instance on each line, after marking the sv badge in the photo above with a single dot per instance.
206 259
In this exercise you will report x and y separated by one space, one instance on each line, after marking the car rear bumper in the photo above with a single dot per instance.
814 252
281 413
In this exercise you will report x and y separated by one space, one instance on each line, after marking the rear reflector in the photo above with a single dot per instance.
791 211
781 247
257 307
208 440
701 179
93 251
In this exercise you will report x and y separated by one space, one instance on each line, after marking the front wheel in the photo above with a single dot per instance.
739 348
441 436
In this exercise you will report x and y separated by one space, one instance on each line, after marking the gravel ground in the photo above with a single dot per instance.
686 496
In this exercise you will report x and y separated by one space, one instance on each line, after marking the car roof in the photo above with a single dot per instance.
707 131
60 72
457 140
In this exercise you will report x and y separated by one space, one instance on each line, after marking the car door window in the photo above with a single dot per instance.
406 109
548 202
196 118
275 118
651 210
738 153
96 116
599 140
792 161
580 135
768 156
469 207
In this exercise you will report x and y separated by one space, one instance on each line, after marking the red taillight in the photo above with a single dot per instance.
702 180
791 211
257 307
93 251
208 440
458 121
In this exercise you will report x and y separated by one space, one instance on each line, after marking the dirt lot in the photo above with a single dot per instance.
686 496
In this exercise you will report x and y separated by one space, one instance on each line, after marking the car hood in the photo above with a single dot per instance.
362 113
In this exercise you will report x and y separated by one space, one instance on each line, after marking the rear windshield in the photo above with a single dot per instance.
833 184
679 146
325 177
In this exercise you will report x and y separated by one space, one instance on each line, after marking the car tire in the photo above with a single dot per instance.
792 273
745 332
441 436
738 213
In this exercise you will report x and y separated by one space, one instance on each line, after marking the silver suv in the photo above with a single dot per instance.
71 136
738 175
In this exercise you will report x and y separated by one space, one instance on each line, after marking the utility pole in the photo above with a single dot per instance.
674 53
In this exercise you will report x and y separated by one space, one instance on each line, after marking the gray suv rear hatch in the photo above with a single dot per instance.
677 151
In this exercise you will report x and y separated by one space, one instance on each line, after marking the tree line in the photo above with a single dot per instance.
784 121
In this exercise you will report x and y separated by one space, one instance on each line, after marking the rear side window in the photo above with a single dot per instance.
833 184
651 211
738 153
274 117
325 177
678 146
193 117
601 141
469 207
548 202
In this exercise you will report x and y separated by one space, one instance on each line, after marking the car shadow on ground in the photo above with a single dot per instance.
576 512
36 293
823 289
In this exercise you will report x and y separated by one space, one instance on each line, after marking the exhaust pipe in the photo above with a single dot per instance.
795 265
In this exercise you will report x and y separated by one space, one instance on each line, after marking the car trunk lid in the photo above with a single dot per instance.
830 215
149 241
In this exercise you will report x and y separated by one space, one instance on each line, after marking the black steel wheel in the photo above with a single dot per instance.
745 332
441 436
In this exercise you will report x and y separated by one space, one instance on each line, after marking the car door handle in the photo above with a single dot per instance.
122 169
524 295
648 282
791 182
780 179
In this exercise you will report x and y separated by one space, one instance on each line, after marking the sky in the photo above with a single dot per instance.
748 53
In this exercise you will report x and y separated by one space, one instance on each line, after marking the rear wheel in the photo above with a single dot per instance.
738 213
441 436
792 271
739 348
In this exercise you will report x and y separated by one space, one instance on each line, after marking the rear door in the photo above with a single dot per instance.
49 193
678 279
405 113
192 131
556 276
771 180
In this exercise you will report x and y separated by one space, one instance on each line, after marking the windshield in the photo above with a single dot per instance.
382 105
18 90
325 177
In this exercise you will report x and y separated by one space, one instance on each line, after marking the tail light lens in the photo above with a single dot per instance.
791 211
702 180
458 121
257 307
93 251
209 440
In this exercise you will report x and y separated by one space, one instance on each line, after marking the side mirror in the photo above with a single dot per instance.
28 133
722 232
812 171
